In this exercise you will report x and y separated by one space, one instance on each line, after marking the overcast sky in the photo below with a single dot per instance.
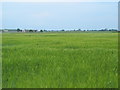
87 15
59 0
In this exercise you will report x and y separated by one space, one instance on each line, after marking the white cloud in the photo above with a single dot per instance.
59 0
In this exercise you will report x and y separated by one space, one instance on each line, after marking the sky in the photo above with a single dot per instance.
59 0
59 15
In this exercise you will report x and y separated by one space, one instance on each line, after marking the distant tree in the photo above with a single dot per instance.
41 30
45 30
30 30
106 29
18 30
62 30
36 30
79 29
112 29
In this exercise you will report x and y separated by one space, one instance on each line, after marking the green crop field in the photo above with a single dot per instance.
60 60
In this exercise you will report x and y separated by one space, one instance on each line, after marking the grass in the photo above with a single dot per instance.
60 60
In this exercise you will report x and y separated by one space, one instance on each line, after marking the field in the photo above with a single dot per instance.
60 60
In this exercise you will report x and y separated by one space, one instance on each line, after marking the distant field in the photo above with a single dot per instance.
60 60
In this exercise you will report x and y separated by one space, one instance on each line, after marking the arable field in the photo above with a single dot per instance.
60 60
